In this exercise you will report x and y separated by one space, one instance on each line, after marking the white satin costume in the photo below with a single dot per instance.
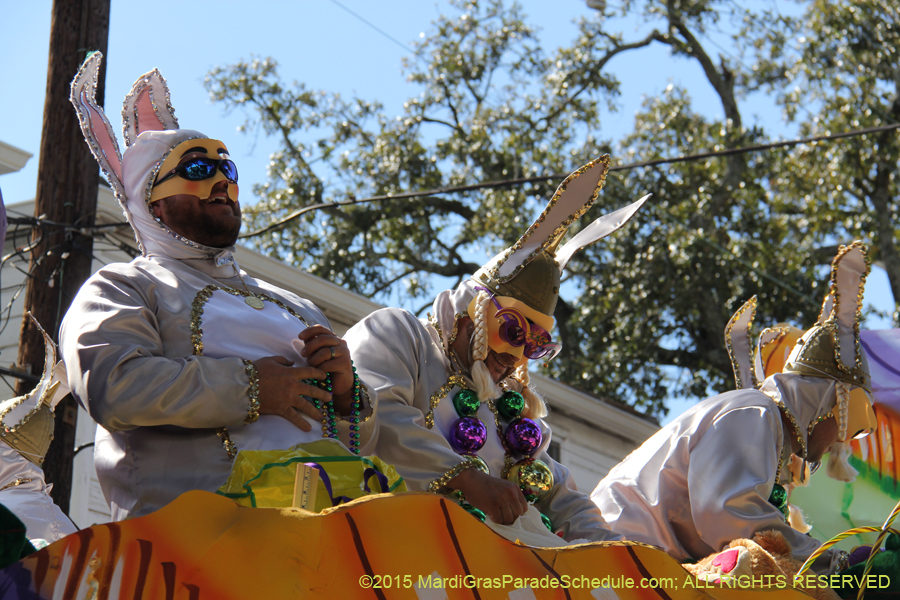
156 351
705 478
406 360
25 493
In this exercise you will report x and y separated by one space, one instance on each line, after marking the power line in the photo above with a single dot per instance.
540 178
42 222
384 33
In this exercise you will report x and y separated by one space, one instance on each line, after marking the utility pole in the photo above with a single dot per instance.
68 177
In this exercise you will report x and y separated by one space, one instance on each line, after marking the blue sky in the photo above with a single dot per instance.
315 41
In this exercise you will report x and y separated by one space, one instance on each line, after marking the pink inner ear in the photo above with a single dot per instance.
727 560
146 116
100 127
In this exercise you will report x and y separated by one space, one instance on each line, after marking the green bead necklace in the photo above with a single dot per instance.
329 418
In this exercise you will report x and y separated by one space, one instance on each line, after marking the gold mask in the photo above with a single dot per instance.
178 185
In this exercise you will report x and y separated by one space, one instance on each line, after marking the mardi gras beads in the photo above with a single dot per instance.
329 418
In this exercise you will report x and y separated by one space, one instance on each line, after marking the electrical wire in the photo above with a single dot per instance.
26 253
385 34
541 178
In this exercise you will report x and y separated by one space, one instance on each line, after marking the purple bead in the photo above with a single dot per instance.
523 436
467 435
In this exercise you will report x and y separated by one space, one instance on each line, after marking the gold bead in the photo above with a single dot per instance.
533 476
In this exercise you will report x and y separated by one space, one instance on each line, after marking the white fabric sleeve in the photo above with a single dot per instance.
114 355
731 473
570 510
390 348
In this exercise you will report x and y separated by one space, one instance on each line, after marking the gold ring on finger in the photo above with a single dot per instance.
332 352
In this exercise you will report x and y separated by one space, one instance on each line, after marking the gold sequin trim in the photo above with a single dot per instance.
206 293
19 481
453 381
812 425
561 229
508 461
437 326
455 331
749 305
779 333
201 299
837 303
439 485
252 393
229 446
793 422
48 391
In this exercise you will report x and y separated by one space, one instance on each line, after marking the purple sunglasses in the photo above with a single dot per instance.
517 331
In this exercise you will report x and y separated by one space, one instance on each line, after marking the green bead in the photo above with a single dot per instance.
510 405
466 403
547 522
479 514
778 498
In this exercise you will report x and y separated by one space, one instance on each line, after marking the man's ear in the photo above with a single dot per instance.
156 209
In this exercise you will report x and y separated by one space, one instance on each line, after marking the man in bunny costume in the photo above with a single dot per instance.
443 421
719 471
182 358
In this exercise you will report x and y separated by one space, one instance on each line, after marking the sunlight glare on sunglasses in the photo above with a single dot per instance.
201 168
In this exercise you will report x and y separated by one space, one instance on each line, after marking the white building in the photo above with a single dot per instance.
589 435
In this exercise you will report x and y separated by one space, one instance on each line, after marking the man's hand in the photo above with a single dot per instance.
501 500
328 352
281 390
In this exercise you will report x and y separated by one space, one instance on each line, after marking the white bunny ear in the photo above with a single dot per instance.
573 197
848 278
827 307
597 230
94 124
147 107
740 348
769 335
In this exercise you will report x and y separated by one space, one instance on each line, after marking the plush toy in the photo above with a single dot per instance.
884 578
764 561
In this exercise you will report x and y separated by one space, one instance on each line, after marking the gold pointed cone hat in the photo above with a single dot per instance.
26 422
531 269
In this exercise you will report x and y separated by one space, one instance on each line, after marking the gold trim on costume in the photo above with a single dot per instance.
19 481
229 446
439 485
553 237
453 381
790 416
253 393
859 300
200 300
749 305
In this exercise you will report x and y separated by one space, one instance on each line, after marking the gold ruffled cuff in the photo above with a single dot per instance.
252 393
439 485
